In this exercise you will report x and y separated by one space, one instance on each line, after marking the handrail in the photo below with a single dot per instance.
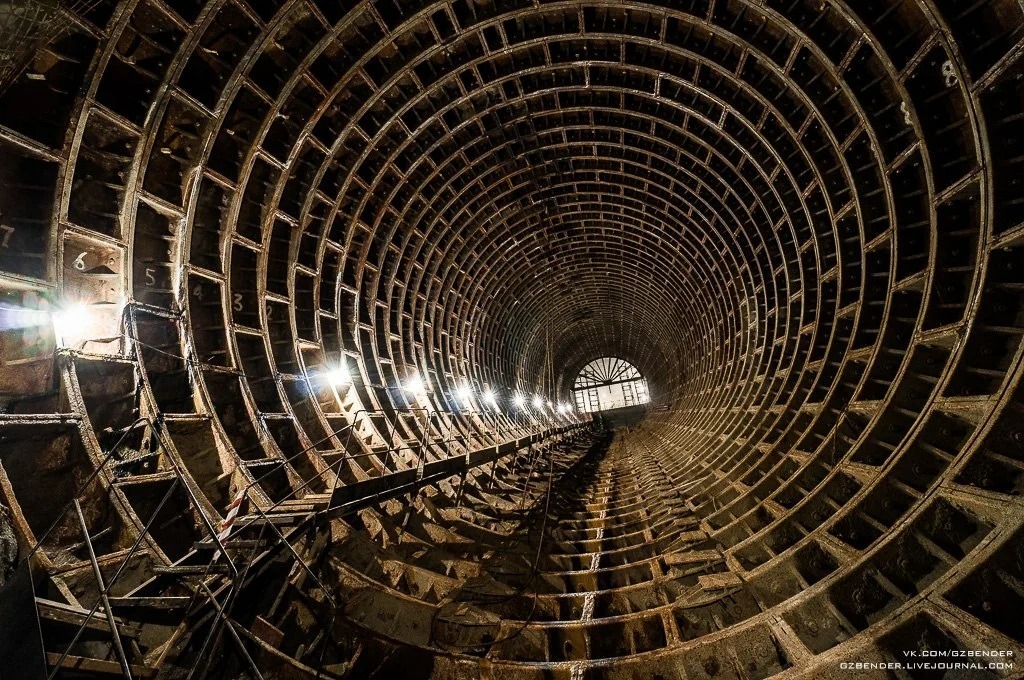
348 456
349 426
391 449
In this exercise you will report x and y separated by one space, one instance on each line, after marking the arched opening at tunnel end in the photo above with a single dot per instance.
608 384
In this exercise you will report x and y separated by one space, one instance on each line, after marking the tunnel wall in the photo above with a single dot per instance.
800 220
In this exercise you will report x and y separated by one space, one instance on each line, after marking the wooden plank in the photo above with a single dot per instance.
59 612
692 557
100 666
725 579
168 602
267 632
192 569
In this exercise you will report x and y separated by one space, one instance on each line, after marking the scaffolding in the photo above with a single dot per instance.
201 589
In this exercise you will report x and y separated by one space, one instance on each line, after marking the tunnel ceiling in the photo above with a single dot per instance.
801 220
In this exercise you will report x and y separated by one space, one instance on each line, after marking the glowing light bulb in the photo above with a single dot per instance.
519 401
414 385
465 395
538 403
490 398
339 376
68 320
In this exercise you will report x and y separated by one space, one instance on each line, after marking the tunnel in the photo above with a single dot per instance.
310 312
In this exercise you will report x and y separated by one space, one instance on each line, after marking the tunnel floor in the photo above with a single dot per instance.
596 560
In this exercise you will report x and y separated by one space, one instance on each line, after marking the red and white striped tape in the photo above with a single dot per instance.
229 519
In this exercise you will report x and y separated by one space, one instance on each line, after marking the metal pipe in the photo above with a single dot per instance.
118 647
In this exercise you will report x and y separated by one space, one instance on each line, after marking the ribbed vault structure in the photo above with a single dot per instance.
801 220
